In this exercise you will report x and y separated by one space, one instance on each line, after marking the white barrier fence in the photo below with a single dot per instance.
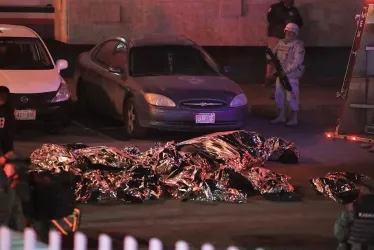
28 241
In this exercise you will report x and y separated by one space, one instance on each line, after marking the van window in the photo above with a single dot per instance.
23 54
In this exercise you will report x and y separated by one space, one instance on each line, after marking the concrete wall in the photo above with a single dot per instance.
25 2
34 14
209 22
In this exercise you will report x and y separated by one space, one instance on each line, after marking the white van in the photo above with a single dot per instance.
39 93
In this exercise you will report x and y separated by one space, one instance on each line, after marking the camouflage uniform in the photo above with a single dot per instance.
354 228
291 56
341 229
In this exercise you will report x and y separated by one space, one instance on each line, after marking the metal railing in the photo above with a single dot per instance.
10 240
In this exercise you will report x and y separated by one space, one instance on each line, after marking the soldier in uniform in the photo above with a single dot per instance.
279 15
290 52
354 228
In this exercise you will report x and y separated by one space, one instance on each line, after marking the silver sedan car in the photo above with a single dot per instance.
161 82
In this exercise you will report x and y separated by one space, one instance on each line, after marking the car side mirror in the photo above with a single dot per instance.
61 65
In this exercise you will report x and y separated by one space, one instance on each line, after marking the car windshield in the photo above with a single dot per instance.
169 60
23 54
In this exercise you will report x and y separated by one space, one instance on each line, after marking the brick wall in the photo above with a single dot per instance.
209 22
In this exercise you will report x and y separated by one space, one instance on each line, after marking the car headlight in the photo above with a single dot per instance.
63 93
159 100
238 101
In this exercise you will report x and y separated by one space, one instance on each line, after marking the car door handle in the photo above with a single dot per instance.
116 71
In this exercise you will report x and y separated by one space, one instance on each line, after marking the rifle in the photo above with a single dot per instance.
283 79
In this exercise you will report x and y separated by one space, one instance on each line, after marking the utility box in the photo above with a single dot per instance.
369 128
370 60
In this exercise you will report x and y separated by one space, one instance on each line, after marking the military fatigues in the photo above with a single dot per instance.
291 56
341 229
355 230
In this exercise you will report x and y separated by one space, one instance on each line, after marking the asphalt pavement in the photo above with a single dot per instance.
298 225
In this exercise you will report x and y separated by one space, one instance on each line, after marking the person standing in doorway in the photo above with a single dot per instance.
279 15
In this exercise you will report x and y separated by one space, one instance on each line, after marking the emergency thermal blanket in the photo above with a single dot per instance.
338 186
225 167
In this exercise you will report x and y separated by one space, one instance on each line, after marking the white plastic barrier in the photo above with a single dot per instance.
10 240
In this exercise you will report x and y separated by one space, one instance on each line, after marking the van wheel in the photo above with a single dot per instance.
131 120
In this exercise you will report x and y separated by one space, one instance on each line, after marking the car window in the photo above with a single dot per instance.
103 55
209 59
112 54
24 54
118 59
169 60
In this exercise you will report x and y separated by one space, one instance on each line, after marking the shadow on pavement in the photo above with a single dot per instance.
115 129
309 124
96 128
320 117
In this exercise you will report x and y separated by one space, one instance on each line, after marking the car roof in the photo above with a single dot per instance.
161 40
7 30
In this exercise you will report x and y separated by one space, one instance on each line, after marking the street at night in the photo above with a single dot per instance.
247 125
293 225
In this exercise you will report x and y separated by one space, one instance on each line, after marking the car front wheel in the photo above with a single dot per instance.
131 120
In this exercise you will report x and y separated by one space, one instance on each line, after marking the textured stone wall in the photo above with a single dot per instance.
208 22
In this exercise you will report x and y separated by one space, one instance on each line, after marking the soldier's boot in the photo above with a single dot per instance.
293 119
281 118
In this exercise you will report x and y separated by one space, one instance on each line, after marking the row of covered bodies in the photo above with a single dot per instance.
224 166
219 167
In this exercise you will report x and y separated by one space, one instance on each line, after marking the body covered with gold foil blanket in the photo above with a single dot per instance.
340 187
225 166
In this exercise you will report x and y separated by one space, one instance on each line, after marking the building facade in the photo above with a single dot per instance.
209 22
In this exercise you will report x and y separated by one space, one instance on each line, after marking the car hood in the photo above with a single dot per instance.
190 87
30 81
